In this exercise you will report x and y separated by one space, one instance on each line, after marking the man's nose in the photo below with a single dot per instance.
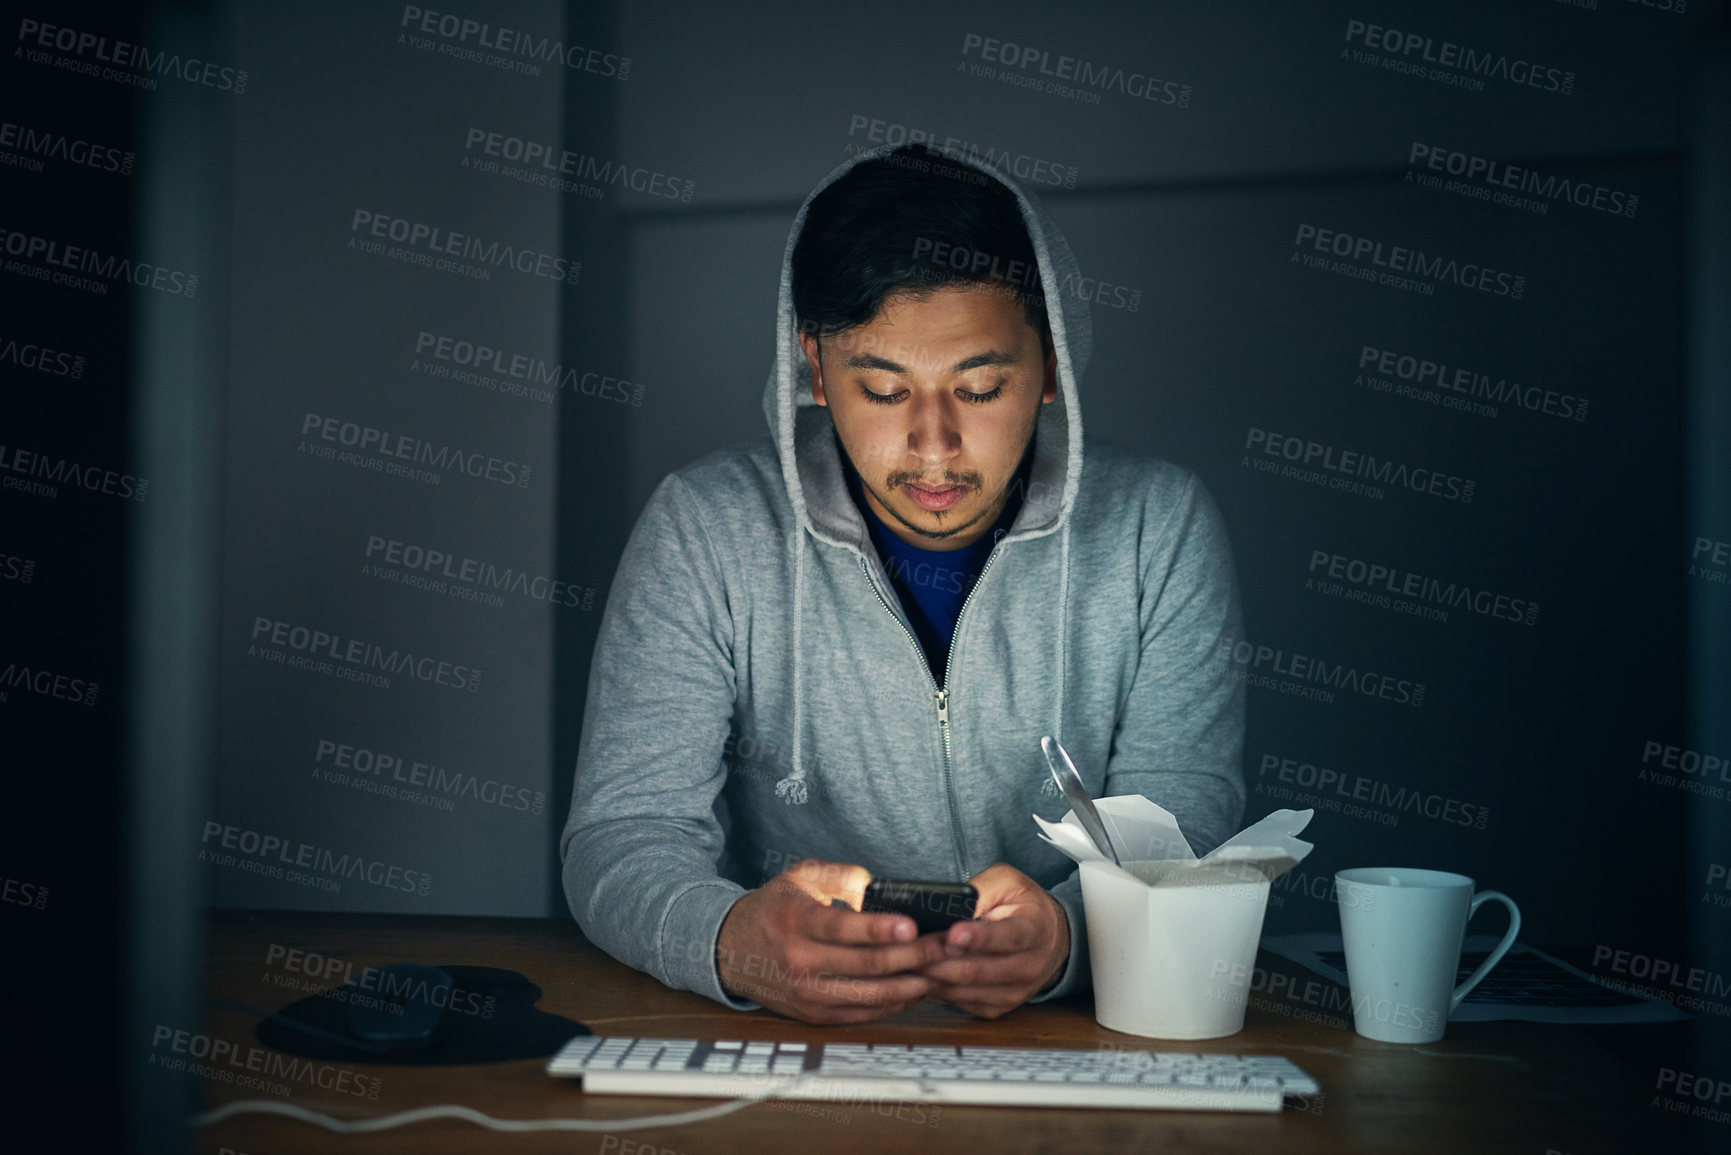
934 436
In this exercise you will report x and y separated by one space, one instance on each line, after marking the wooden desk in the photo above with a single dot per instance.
1487 1087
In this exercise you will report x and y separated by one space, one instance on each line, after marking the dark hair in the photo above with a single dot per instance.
910 221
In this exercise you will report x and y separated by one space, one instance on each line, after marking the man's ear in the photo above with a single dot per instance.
808 342
1050 392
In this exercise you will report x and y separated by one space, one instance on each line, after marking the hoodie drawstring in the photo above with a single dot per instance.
1063 630
791 789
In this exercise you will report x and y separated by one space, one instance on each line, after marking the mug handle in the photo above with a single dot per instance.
1496 956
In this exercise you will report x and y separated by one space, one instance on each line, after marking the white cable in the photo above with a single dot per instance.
469 1114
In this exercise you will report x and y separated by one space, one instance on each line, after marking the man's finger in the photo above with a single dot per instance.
983 971
992 1008
873 961
1010 994
1009 935
812 984
999 883
1003 888
825 881
848 928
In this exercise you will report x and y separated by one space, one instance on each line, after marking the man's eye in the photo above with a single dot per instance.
966 395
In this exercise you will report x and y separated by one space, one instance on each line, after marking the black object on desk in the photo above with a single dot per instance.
406 1014
933 906
485 1015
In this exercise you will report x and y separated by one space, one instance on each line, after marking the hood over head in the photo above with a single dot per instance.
810 460
802 429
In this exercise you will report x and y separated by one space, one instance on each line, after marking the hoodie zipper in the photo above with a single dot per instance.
940 694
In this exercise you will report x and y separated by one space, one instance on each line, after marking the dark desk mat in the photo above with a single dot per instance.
492 1020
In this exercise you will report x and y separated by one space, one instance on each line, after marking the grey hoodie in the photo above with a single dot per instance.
757 696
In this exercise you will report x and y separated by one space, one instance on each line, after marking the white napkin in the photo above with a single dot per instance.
1144 831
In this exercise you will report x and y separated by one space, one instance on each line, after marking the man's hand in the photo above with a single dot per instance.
784 946
1016 947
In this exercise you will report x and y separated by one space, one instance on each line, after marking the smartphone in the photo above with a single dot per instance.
932 905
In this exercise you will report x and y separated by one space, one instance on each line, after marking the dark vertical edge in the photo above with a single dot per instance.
594 436
1708 268
181 216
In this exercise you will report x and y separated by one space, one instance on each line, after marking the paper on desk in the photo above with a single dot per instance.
1143 831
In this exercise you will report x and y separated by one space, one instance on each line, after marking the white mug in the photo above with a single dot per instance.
1402 929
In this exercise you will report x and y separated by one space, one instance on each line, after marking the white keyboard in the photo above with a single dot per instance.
1006 1076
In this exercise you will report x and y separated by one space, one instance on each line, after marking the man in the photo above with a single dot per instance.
880 612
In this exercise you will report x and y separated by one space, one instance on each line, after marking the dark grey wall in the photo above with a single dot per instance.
437 774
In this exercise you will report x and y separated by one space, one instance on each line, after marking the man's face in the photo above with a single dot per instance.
935 400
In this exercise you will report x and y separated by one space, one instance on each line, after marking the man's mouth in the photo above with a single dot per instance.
936 499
